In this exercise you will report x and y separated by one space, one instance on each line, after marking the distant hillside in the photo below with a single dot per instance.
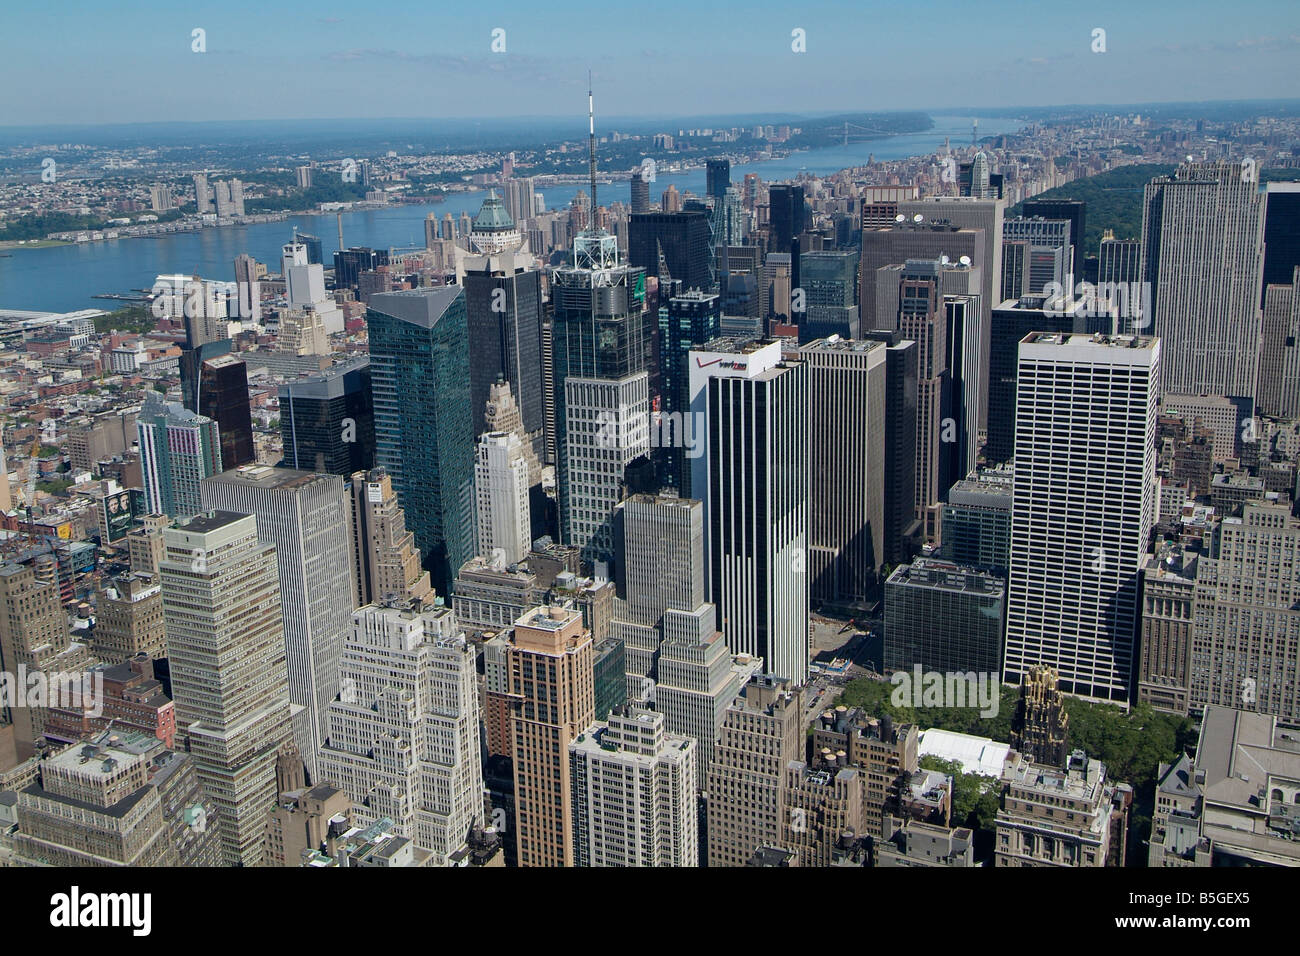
1114 199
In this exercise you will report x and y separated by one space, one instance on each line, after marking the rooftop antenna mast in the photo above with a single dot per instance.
591 125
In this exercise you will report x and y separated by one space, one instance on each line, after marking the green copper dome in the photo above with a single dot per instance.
492 215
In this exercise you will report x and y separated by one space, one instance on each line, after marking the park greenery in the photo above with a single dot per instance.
1131 744
1114 198
136 319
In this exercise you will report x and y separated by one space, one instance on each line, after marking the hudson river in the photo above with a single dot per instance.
64 278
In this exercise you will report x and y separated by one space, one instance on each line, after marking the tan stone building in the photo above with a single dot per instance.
822 808
553 699
129 618
386 558
1056 816
762 733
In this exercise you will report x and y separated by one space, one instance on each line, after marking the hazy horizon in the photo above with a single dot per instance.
319 62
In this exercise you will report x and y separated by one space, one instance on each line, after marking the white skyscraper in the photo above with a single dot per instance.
221 607
607 425
306 517
756 486
304 285
1085 500
501 486
404 733
634 793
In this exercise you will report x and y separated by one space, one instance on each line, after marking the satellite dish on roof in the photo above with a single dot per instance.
900 218
944 260
964 260
918 218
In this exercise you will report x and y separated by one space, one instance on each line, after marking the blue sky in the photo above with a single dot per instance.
91 62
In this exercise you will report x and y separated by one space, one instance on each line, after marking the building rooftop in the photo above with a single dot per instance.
423 307
978 755
211 521
263 476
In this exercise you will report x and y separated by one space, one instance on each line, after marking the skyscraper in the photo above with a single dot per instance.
1012 321
1245 649
327 421
984 216
225 640
384 554
34 636
634 790
761 733
846 423
1203 253
686 320
424 432
1281 233
501 484
921 317
1279 350
178 449
304 285
788 215
675 243
602 400
898 243
223 397
403 732
1073 210
754 480
830 295
1085 501
1047 256
1119 260
305 517
640 201
503 301
902 529
717 177
203 194
660 572
549 664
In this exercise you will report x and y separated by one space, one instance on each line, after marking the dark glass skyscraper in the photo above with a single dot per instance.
787 216
350 263
602 398
717 177
214 383
682 238
328 421
1281 233
506 343
424 431
686 321
640 192
313 244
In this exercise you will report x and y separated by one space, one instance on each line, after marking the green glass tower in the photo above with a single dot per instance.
424 431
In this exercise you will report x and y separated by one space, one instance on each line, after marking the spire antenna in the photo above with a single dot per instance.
591 125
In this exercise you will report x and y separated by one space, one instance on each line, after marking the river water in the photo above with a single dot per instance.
65 278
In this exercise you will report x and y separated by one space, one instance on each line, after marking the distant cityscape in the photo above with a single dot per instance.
875 489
